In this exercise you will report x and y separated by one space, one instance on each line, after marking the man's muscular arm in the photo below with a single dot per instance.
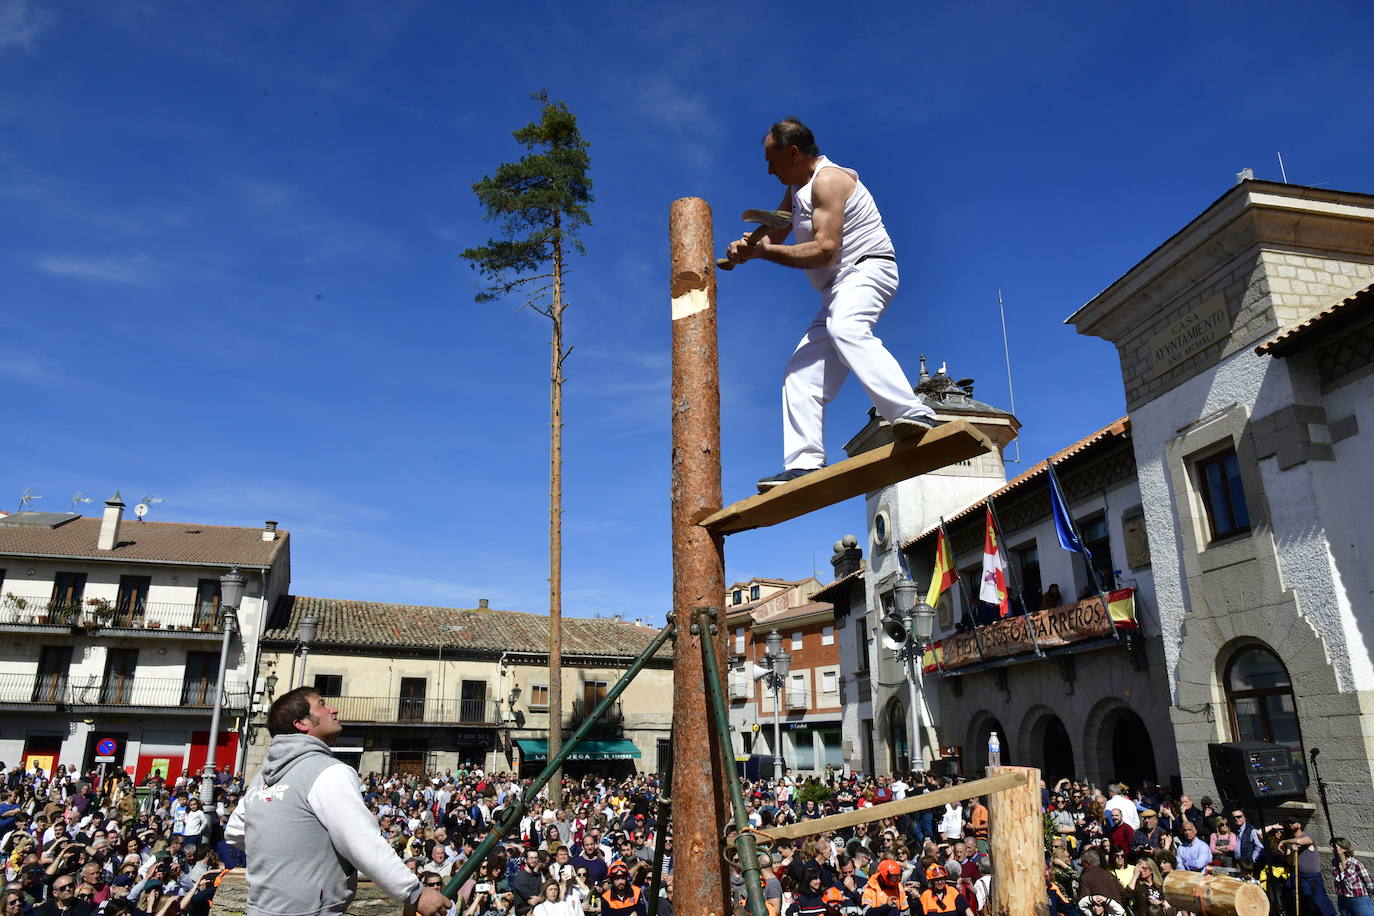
829 192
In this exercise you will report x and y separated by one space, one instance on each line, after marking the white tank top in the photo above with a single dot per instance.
864 232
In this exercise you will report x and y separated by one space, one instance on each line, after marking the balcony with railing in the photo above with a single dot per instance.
24 612
415 711
169 695
612 723
798 698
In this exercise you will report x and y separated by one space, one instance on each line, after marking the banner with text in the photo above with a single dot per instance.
1056 626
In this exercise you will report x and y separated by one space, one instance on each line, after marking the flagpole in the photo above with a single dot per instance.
1015 577
1058 491
959 583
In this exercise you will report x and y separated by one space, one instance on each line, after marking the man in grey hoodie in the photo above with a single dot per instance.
304 828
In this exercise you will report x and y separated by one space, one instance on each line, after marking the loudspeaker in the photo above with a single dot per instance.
1256 773
894 632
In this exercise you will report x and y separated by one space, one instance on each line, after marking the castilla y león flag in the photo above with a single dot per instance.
942 577
994 590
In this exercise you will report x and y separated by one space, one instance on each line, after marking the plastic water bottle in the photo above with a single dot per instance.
994 751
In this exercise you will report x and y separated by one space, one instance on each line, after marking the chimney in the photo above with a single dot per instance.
482 604
109 525
848 556
269 531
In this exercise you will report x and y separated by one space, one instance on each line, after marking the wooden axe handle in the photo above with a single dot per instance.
760 232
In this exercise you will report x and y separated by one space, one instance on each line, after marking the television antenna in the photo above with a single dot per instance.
77 498
27 497
146 503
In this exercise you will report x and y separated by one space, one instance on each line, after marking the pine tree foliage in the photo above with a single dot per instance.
539 202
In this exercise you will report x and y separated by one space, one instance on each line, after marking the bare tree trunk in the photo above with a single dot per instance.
555 739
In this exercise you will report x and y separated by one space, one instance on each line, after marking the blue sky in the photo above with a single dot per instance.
229 238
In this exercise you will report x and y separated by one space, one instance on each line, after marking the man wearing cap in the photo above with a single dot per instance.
883 895
623 898
940 897
1150 838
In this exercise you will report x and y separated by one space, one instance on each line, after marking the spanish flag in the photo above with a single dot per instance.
942 577
1121 607
933 658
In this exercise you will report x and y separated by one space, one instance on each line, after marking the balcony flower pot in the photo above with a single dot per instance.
42 618
207 627
155 624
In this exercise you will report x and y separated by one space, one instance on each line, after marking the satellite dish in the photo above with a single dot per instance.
894 632
141 510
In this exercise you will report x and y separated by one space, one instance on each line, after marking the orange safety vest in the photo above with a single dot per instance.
874 895
622 903
930 904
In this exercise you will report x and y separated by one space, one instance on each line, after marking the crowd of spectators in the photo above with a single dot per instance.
76 845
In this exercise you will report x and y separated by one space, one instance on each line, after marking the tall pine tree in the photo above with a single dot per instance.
540 202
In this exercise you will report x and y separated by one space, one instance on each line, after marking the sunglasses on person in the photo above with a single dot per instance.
434 883
59 888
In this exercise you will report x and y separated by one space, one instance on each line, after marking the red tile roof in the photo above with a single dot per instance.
166 542
345 621
1348 308
1115 428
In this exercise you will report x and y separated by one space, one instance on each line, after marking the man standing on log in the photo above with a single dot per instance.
844 248
304 827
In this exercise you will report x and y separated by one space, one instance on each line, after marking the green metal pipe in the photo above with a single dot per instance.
665 802
745 844
522 803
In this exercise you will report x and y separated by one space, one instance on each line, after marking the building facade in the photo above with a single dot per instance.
1067 687
1245 350
423 689
112 632
807 706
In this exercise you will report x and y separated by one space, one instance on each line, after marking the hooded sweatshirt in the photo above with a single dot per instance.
307 834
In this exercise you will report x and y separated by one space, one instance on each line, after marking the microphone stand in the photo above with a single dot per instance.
1321 791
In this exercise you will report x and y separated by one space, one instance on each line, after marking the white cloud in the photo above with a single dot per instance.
688 117
125 269
21 23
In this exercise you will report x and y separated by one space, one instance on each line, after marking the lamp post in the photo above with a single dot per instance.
230 595
306 634
509 717
919 619
779 662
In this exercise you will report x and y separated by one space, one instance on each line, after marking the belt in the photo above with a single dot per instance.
875 257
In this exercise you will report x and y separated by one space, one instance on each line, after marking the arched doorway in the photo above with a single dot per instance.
1132 750
1056 750
898 750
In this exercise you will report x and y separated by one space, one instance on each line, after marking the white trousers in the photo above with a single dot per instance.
839 341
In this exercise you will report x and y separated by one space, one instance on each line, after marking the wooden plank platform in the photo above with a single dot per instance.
944 445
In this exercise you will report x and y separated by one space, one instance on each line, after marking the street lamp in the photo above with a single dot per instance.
918 622
779 662
230 595
306 633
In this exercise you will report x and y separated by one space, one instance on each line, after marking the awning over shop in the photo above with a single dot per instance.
532 749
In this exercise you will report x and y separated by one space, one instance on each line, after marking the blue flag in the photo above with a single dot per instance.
1063 521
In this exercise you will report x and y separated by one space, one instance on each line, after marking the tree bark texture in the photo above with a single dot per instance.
699 800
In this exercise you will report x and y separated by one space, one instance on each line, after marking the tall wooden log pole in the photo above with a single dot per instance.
1017 838
699 808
